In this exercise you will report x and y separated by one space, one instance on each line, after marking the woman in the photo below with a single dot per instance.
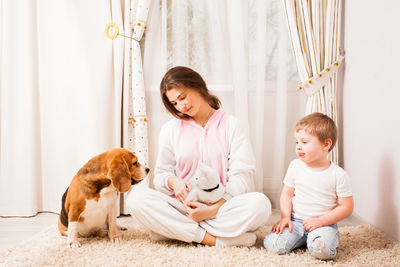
200 133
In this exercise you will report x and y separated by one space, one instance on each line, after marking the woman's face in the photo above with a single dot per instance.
185 100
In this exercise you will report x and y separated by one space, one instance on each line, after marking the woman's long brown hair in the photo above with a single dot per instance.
184 77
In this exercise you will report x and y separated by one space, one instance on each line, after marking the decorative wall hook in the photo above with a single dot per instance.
112 26
109 27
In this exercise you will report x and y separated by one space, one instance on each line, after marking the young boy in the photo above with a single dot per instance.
316 193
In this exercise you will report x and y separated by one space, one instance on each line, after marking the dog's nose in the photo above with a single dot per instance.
147 170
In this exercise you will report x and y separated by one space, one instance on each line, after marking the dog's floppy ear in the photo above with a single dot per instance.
119 173
91 176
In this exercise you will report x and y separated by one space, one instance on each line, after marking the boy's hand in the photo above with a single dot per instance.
280 226
312 223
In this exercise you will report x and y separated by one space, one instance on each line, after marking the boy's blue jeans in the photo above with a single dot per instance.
321 242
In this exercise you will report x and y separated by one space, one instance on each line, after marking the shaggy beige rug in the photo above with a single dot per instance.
359 246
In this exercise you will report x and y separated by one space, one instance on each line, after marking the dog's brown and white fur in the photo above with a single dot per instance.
89 205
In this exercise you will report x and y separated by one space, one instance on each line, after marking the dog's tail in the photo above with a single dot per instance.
63 218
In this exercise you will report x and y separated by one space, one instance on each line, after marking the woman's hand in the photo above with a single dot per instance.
280 226
181 188
199 212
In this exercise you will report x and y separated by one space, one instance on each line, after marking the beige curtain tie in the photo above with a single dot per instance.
314 84
138 117
139 25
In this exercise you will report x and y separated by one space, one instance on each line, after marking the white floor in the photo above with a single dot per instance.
14 230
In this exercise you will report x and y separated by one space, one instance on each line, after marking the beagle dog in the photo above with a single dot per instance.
89 205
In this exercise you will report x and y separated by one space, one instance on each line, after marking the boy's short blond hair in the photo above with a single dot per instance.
319 125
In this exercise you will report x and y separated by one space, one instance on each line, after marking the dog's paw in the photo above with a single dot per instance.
102 233
74 244
122 228
115 239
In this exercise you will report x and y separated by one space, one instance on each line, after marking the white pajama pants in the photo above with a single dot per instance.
165 215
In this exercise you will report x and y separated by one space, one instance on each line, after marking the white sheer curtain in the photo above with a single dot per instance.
241 49
314 27
60 93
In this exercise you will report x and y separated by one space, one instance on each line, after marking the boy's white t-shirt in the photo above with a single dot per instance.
316 192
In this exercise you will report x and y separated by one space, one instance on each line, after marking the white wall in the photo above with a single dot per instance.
371 110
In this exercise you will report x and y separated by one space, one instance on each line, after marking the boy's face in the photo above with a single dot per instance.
309 149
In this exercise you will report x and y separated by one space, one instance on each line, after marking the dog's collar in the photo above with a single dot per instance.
211 189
